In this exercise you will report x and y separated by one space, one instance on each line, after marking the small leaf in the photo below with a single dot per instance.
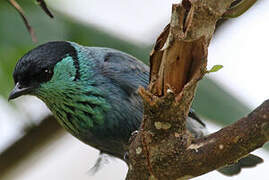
215 68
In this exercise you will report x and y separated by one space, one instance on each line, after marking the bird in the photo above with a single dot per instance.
93 94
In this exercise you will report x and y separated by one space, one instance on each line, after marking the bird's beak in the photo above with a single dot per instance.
19 91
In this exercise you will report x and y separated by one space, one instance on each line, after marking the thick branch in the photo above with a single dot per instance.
163 148
35 139
227 145
179 156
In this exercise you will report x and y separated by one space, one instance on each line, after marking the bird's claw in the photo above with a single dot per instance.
126 156
133 135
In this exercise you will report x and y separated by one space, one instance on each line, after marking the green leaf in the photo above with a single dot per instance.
215 68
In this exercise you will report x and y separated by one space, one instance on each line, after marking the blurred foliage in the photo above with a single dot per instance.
211 101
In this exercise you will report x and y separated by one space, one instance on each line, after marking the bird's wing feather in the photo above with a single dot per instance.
125 71
129 73
122 75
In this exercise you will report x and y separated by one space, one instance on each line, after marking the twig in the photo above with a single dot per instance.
43 5
21 12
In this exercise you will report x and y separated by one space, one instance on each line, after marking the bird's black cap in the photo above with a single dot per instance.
40 58
37 65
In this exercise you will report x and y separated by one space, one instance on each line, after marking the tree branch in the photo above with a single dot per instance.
239 8
26 23
44 7
177 156
163 148
19 9
35 139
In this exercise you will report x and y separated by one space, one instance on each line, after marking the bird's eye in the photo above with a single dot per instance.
45 75
48 71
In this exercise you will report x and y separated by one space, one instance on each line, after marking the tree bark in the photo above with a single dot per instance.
163 148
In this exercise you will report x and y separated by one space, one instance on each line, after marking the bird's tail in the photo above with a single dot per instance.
246 162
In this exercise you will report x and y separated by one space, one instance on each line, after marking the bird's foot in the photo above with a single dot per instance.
126 157
100 162
133 135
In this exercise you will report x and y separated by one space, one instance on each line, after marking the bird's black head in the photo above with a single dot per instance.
37 65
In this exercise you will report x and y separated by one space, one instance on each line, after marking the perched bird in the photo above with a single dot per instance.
92 92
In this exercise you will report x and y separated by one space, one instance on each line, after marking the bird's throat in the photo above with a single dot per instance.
77 111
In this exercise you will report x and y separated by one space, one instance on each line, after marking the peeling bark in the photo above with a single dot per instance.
163 148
